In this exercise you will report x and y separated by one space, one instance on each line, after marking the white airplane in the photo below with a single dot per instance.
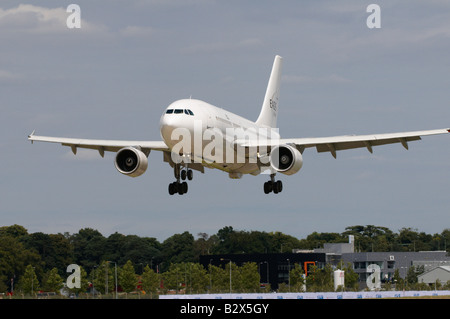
260 148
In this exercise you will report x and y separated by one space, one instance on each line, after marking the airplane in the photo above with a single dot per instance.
196 134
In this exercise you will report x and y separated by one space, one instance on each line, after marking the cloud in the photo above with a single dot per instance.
27 18
9 77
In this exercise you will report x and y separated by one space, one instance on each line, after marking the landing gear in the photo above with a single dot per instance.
273 186
178 186
186 173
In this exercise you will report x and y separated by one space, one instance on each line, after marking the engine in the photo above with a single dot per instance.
131 161
286 159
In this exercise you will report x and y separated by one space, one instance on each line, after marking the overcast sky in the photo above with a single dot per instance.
113 77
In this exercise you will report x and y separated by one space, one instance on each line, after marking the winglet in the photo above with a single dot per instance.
31 135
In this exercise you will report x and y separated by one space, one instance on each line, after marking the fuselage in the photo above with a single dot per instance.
207 134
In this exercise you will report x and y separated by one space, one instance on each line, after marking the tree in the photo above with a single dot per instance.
55 250
15 231
14 257
371 238
280 242
233 277
198 278
350 276
413 273
127 277
89 245
204 244
399 281
29 282
53 281
103 278
150 281
178 248
224 244
297 278
219 279
320 279
250 278
174 278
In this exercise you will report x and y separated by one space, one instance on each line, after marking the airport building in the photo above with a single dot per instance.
274 268
432 276
389 262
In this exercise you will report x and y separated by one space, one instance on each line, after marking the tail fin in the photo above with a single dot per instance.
269 111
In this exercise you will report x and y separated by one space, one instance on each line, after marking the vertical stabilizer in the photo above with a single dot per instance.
269 110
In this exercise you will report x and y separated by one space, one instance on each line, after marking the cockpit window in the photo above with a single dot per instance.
179 111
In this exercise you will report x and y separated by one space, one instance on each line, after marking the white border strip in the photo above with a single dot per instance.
315 295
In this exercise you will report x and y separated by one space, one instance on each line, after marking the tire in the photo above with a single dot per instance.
267 187
279 186
171 189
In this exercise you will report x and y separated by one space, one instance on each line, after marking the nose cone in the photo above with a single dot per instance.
176 127
167 125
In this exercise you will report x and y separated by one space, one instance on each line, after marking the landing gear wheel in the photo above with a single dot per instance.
190 174
172 188
273 186
178 186
279 186
267 187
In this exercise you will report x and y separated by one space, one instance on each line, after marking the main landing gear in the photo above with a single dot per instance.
273 186
180 174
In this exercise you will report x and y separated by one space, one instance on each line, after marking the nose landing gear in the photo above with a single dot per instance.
273 186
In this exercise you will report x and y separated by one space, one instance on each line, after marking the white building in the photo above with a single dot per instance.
441 273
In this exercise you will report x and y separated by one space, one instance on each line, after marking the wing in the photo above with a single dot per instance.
100 145
338 143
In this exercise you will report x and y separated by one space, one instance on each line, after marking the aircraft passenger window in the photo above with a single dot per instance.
169 111
190 112
178 111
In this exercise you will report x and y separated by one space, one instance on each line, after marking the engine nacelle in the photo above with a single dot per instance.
286 159
131 162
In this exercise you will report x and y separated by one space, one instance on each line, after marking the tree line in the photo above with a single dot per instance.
37 260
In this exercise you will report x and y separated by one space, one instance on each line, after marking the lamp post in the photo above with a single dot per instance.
230 271
115 265
32 282
267 270
210 276
289 274
94 271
